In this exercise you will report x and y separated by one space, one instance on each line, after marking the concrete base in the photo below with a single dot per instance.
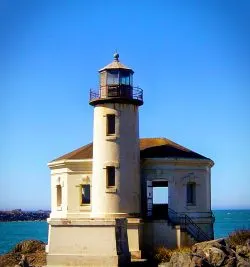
80 260
87 242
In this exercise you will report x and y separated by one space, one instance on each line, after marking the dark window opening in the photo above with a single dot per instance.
110 176
110 124
113 91
191 193
85 194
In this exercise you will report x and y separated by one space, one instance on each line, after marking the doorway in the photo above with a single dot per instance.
160 200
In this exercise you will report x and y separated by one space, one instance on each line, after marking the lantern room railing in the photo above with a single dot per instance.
122 92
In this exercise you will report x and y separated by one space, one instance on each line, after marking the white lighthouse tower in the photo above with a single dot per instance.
96 202
116 152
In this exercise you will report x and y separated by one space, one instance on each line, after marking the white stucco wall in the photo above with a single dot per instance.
78 243
179 172
70 175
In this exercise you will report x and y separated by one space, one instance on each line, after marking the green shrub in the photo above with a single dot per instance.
239 237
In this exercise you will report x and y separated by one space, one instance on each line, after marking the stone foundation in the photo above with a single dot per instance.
87 242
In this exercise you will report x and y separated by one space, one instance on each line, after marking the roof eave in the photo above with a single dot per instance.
64 162
206 161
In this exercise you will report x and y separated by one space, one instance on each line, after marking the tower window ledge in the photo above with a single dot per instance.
111 137
59 208
85 207
191 206
111 190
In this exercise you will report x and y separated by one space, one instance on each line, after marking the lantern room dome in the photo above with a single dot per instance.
116 65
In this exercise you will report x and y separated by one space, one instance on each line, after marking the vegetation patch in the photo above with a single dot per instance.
163 254
238 237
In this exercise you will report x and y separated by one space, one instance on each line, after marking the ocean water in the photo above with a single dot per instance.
12 233
226 221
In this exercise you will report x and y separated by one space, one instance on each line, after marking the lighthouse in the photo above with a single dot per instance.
116 152
103 208
96 195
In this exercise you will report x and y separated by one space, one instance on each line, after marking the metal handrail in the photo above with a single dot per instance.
116 91
187 224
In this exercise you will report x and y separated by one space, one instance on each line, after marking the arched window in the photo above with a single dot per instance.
191 193
58 195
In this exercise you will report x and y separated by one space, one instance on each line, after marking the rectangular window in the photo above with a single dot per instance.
85 194
110 176
58 195
113 91
110 124
113 77
191 194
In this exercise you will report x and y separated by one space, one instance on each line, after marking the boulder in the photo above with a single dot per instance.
215 256
243 251
180 259
213 253
29 252
230 262
198 261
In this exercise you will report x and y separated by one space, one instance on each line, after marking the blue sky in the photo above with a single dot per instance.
192 58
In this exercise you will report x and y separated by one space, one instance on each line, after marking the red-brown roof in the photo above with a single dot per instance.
149 148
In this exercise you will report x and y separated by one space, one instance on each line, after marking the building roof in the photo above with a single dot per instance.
116 64
149 148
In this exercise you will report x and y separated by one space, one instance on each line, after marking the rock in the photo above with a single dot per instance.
217 243
230 262
243 262
213 253
180 259
24 262
216 256
27 252
243 251
248 243
164 264
198 261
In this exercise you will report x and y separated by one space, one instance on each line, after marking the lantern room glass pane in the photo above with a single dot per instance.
131 79
124 79
112 77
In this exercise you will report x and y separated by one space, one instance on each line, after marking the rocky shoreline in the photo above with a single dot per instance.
223 252
212 253
19 215
33 251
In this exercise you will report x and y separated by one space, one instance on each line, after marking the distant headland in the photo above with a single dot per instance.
20 215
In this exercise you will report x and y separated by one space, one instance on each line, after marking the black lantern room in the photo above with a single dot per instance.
116 85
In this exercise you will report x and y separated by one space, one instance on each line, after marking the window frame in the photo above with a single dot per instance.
110 170
58 196
82 203
191 194
110 125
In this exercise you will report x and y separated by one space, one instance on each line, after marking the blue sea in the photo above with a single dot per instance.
226 221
